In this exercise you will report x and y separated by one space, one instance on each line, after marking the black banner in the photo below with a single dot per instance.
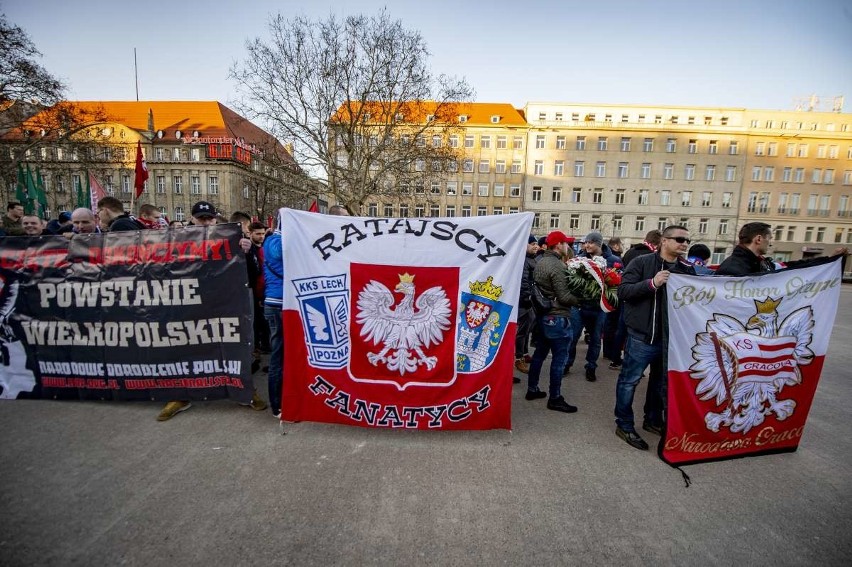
145 315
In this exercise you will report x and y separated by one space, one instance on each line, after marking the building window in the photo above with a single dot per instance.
452 187
450 211
648 145
723 226
176 154
435 187
467 189
576 194
515 190
671 145
454 141
843 206
499 189
600 169
125 183
662 223
597 196
763 203
619 196
759 148
536 221
756 172
468 140
787 175
645 172
560 142
821 151
752 202
692 147
640 224
161 183
702 226
482 189
485 142
517 143
791 233
465 210
213 185
467 166
500 166
559 168
596 222
782 203
501 142
603 141
179 216
581 143
574 222
668 171
733 148
484 166
710 173
539 142
536 194
403 211
516 166
816 175
481 211
803 151
731 173
623 172
617 221
772 149
665 198
769 173
539 167
195 185
579 168
643 197
824 205
799 175
706 199
713 147
795 203
554 220
686 198
625 144
556 194
809 233
689 172
828 176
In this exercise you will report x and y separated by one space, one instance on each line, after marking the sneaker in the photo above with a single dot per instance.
522 366
559 404
172 409
256 403
590 374
535 395
632 439
615 365
652 428
276 413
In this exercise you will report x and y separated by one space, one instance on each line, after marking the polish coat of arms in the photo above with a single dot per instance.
399 327
744 367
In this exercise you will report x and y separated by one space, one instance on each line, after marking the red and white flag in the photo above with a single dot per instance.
401 323
744 359
141 171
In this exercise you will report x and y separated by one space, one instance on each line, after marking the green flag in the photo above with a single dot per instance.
42 195
30 205
84 199
21 188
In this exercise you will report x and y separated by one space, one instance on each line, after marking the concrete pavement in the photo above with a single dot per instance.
87 483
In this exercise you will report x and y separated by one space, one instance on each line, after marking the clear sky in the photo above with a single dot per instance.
760 54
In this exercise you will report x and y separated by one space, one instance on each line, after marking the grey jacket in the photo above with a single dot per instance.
551 276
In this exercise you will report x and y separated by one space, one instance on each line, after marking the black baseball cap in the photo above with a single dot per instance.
203 209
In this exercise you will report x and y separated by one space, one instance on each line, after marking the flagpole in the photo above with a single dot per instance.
136 74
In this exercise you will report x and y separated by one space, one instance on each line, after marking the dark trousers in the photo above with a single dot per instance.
526 322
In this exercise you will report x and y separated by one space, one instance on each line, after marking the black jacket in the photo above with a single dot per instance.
635 251
526 277
125 222
744 262
644 306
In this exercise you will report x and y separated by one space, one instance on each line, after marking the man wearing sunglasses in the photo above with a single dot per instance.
643 296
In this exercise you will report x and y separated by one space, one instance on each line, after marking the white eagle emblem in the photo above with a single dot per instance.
404 328
744 367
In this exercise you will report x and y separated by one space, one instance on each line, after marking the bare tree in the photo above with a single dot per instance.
21 77
357 100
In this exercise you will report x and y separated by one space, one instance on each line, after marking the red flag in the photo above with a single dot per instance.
141 170
313 208
96 191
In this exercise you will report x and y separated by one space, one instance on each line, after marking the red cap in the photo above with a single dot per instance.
557 237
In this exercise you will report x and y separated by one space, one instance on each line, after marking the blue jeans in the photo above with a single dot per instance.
592 318
276 357
637 356
553 333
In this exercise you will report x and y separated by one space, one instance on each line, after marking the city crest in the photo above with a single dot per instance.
481 326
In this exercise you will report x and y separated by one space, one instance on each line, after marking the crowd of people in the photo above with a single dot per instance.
634 335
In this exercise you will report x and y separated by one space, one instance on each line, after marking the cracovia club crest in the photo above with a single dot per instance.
744 367
481 325
401 324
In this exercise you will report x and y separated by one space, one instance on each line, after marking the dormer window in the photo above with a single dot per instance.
398 116
495 119
178 134
365 116
430 117
160 133
196 133
462 118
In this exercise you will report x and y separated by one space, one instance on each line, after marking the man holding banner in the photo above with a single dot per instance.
643 292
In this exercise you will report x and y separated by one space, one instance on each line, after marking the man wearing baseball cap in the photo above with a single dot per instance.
203 214
554 328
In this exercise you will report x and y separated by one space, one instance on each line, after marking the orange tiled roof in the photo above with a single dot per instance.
210 118
477 113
